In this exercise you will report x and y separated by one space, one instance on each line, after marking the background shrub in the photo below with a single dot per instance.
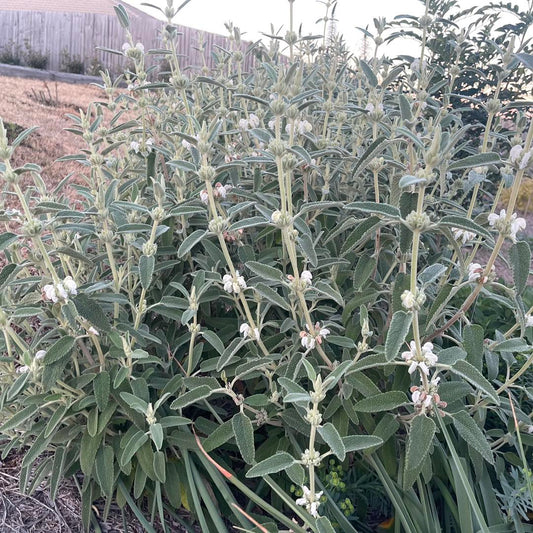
10 54
34 58
72 63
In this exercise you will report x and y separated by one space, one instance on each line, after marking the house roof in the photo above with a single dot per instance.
101 7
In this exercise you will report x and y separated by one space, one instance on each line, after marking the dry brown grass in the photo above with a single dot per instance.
21 104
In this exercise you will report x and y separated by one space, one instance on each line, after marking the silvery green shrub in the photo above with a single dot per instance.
265 270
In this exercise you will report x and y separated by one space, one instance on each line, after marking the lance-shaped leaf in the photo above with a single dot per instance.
472 434
332 438
271 465
467 371
146 270
418 446
488 158
264 271
386 401
190 241
244 436
193 396
521 262
398 329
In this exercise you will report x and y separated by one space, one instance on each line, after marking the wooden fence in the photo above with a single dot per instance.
80 34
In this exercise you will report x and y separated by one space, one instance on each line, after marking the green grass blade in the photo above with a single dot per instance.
456 462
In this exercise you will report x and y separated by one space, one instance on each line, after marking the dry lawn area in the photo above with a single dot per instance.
27 103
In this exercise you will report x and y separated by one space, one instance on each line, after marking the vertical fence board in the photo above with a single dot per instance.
80 34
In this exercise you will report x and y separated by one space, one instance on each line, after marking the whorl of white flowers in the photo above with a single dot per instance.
247 332
309 339
299 126
499 222
519 157
475 273
463 235
233 284
249 123
60 291
424 360
310 501
413 301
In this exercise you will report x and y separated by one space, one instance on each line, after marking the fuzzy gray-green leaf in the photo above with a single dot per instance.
472 434
398 329
418 445
101 388
467 371
354 443
193 396
264 271
190 241
61 348
244 436
271 465
146 270
386 401
521 262
332 438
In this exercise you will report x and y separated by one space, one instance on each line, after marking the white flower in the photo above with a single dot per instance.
434 381
140 47
517 224
323 332
494 218
93 331
247 331
134 145
186 144
309 339
529 320
40 354
49 292
70 285
204 197
222 190
272 124
408 300
243 124
369 107
530 429
275 217
310 501
415 396
306 276
253 121
228 283
525 160
423 361
234 285
515 153
413 301
24 369
518 156
304 127
463 235
61 290
126 47
499 223
474 271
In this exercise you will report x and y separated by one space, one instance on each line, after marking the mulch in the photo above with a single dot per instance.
37 513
